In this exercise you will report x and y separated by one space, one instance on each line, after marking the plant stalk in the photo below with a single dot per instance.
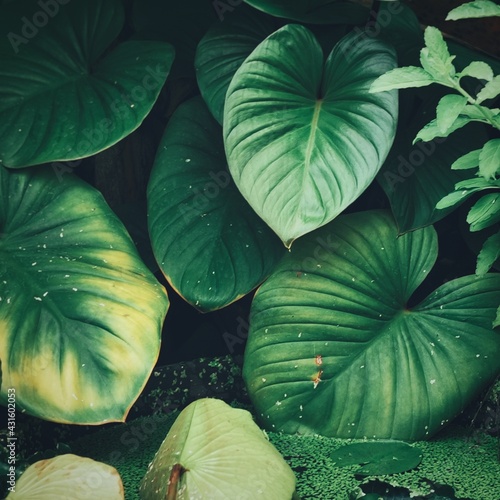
173 481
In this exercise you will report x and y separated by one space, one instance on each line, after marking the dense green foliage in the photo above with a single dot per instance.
277 128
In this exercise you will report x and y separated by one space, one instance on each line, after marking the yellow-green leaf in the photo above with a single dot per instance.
80 313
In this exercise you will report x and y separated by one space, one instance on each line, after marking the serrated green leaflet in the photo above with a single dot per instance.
464 189
431 130
333 348
490 90
489 159
416 177
448 110
80 314
497 319
222 454
467 161
478 8
477 69
435 56
208 242
63 97
488 254
485 212
402 78
303 137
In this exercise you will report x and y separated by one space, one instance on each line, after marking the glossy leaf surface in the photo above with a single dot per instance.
333 348
303 138
65 94
208 241
80 314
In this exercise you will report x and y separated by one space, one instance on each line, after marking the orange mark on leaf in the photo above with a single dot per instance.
317 378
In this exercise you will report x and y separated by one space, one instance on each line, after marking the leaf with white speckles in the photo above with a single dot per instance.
65 95
303 136
215 451
209 243
334 349
80 314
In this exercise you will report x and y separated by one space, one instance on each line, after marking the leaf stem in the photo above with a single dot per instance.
455 84
173 481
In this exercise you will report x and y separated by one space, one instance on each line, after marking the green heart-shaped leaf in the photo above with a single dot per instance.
378 457
68 476
80 314
304 138
63 96
209 243
333 348
215 451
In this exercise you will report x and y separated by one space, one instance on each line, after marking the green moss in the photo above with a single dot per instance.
309 458
472 469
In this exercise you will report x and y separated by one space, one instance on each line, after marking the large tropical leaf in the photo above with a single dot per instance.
305 138
334 349
209 243
80 314
62 95
226 45
215 451
314 11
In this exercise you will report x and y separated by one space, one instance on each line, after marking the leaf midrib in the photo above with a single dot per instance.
312 137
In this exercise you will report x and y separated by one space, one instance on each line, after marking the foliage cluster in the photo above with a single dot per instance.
262 178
